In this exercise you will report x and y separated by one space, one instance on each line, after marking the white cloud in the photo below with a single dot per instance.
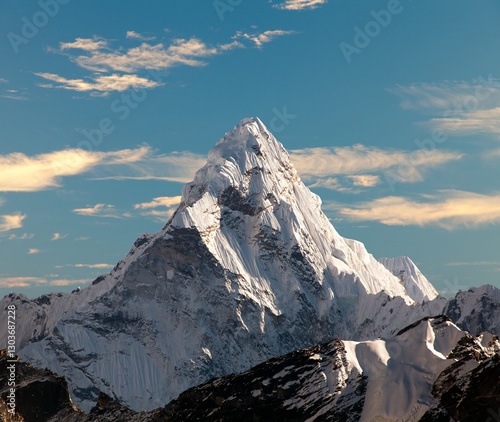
365 180
22 173
300 4
105 84
146 56
470 122
24 236
3 81
161 201
97 56
11 221
8 282
136 36
447 209
86 44
467 108
93 266
11 282
174 167
168 202
58 236
100 210
448 95
322 167
34 251
67 282
263 37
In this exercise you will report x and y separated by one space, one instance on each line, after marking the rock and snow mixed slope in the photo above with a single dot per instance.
247 268
415 283
414 375
430 371
476 310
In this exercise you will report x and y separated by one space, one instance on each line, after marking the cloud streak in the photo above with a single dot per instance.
467 108
100 210
101 266
11 221
161 208
300 4
331 167
13 282
448 209
22 173
103 84
124 65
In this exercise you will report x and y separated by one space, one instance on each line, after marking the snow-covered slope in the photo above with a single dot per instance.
247 268
415 283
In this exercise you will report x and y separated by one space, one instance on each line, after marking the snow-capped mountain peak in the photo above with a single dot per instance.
247 268
415 283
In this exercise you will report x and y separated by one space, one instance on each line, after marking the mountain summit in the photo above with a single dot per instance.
247 268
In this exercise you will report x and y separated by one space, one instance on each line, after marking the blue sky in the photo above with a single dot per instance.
390 110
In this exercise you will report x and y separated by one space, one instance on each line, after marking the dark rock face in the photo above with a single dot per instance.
467 395
40 394
476 310
288 388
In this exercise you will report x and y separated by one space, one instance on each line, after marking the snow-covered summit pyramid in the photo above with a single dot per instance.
415 283
247 268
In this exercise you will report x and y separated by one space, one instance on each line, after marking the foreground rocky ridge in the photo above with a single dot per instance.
452 376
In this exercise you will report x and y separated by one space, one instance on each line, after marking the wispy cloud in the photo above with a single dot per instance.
174 167
472 264
11 221
448 209
470 122
58 236
3 81
465 107
24 236
300 4
104 84
8 282
161 201
12 282
85 44
447 95
259 39
365 180
324 167
67 282
101 210
125 64
22 173
160 208
101 266
136 36
34 251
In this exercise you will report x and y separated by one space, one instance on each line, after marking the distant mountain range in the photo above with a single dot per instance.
248 269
